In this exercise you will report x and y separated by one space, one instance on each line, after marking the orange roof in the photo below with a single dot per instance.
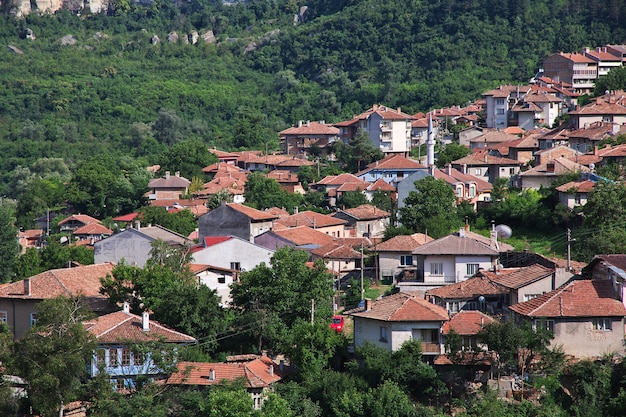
311 128
577 186
467 323
341 179
304 235
468 289
579 298
335 250
93 229
122 326
366 212
258 373
381 185
252 213
403 243
83 218
311 219
403 306
523 276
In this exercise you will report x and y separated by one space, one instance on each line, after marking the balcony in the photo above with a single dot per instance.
386 128
429 347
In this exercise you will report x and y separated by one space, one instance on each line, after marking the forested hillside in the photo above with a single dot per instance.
113 92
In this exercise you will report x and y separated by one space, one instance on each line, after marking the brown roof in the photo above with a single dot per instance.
467 323
69 282
258 373
493 136
392 162
252 213
618 151
82 218
311 128
93 229
311 219
353 186
403 306
577 186
595 131
453 176
468 289
600 107
481 157
341 179
523 276
335 250
169 181
304 235
278 212
578 298
404 243
455 245
121 326
381 185
366 212
561 166
576 57
221 167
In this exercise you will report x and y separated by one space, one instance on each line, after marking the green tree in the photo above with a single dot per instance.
311 346
613 81
187 157
358 153
451 152
262 193
383 200
430 208
351 199
219 198
27 264
228 402
168 128
53 355
9 247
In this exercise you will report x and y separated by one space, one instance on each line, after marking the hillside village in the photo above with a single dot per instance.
441 292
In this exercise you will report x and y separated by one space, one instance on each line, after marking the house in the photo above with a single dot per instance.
395 256
605 60
230 252
75 221
482 165
30 238
476 293
217 279
303 237
391 169
92 232
365 220
601 109
500 101
539 108
298 140
257 375
574 68
338 258
468 134
330 225
382 186
287 180
119 336
545 174
524 283
467 324
419 130
392 320
233 219
545 155
234 185
18 300
229 158
447 260
490 138
585 316
611 268
331 184
271 162
196 206
575 193
587 138
168 187
133 245
388 129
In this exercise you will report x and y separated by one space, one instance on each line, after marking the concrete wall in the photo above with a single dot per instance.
18 314
578 338
221 255
211 280
128 245
368 330
536 288
224 221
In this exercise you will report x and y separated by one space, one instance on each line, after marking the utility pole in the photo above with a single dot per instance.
312 310
362 268
569 245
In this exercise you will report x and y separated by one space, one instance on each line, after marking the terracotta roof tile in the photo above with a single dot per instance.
341 179
403 306
577 186
467 323
392 162
468 289
381 185
524 276
311 128
404 243
169 181
578 298
82 218
252 213
257 373
304 235
455 245
92 229
311 219
481 157
366 212
335 250
559 166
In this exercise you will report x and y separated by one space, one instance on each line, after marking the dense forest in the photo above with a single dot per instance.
114 93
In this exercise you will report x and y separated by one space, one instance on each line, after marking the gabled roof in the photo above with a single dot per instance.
82 218
616 260
126 217
493 136
341 179
303 235
160 232
522 277
506 90
594 131
311 128
214 240
455 245
578 298
482 157
221 167
467 323
122 326
366 212
311 219
585 186
403 243
252 213
381 185
169 181
471 288
403 306
453 176
560 166
92 229
69 282
278 212
384 112
258 373
392 163
576 57
335 250
600 107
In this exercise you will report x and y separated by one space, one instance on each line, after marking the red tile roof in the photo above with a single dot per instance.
381 185
579 298
455 245
392 162
403 243
258 373
335 250
522 277
93 229
403 306
341 179
126 217
468 289
304 235
311 128
577 186
311 219
367 212
214 240
252 213
121 326
82 218
600 107
467 323
481 157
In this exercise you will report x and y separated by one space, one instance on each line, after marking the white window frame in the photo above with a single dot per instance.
404 258
4 317
544 324
235 266
33 318
472 268
602 324
436 269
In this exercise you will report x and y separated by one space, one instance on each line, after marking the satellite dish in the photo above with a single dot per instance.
481 298
592 166
503 231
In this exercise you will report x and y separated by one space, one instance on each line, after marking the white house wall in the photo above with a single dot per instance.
578 338
483 262
223 254
211 280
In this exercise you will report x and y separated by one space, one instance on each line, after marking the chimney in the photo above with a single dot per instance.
399 110
137 225
299 123
264 353
550 167
431 170
465 168
295 210
368 304
211 374
375 107
449 170
462 232
272 370
167 175
126 307
177 173
27 286
145 321
308 123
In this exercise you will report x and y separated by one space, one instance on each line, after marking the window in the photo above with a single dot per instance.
604 324
383 334
477 171
120 385
236 266
472 191
113 357
406 260
100 357
544 324
459 191
500 101
33 319
511 171
472 269
3 317
138 358
499 111
528 297
577 198
125 357
436 268
221 280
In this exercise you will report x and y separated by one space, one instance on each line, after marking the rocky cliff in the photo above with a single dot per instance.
23 7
